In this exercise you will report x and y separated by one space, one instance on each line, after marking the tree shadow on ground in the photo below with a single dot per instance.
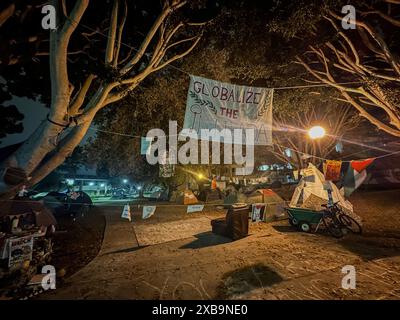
371 248
206 239
246 279
368 246
127 250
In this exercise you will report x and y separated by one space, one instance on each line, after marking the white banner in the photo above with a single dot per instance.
195 208
126 212
148 211
145 144
215 105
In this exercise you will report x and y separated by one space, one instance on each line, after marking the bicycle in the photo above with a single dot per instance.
336 221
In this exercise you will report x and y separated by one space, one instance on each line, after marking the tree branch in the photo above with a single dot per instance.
166 11
7 13
112 33
80 98
120 31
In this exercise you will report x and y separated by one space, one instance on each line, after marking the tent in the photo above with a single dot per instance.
262 196
311 192
79 203
267 196
231 198
186 197
272 203
214 196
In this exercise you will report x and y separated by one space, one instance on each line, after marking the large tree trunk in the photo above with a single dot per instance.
30 154
64 150
52 142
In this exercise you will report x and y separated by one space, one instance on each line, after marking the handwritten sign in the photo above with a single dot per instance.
20 250
215 105
332 172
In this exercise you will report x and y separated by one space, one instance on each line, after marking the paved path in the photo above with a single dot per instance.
272 263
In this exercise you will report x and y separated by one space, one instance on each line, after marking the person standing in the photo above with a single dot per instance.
214 183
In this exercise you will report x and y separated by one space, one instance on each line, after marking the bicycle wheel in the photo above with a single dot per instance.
350 223
333 226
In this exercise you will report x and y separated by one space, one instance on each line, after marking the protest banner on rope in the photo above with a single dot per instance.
215 105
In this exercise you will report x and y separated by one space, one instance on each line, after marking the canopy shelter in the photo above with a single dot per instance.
43 216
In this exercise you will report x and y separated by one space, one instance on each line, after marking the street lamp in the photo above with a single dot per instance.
316 132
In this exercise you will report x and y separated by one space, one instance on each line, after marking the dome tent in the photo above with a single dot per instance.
186 197
311 193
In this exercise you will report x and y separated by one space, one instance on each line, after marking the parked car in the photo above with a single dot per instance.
73 204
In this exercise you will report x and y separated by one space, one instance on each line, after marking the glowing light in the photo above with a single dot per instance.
91 183
200 176
125 181
316 132
102 185
70 182
139 188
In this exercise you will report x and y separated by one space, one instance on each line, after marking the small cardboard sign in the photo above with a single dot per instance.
126 212
20 250
148 211
258 212
195 208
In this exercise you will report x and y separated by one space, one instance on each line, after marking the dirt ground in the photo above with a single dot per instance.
380 211
77 243
174 255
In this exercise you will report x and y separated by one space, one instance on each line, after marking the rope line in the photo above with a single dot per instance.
321 158
282 146
131 203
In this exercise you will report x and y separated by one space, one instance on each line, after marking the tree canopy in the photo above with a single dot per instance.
109 77
225 53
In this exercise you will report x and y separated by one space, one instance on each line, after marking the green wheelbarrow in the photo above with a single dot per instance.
304 219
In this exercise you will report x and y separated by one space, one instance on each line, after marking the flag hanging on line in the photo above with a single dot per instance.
126 212
355 176
145 145
148 211
332 170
